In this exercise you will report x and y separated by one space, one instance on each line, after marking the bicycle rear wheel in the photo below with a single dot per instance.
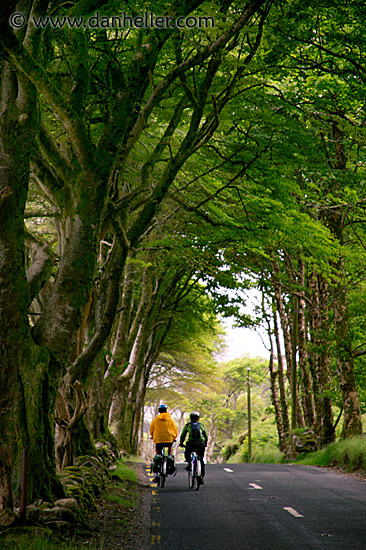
195 476
162 480
199 477
192 474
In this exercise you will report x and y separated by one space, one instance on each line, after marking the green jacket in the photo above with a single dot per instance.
187 430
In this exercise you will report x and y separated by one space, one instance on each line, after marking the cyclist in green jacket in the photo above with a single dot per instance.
196 441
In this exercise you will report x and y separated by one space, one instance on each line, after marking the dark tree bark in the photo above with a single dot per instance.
24 398
321 359
286 327
281 379
304 369
67 426
352 424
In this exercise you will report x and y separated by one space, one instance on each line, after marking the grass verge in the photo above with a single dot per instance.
32 539
349 454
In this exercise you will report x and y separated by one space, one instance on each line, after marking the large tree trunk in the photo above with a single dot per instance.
286 331
304 369
352 424
131 384
276 403
85 366
212 431
123 341
97 413
130 414
281 378
138 408
67 426
281 415
25 405
280 307
320 360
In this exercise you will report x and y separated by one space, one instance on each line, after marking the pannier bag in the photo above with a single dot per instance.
171 465
156 463
158 459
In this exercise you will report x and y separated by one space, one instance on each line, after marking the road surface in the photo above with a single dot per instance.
260 507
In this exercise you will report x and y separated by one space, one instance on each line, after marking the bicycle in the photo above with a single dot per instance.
162 474
195 479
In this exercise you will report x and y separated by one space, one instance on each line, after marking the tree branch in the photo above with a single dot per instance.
43 260
158 92
70 119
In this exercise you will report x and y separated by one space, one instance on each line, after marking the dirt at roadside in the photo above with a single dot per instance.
116 528
358 473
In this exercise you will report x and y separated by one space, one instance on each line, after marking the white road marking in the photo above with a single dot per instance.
255 486
293 512
228 470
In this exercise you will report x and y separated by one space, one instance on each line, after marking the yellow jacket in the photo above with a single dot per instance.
163 429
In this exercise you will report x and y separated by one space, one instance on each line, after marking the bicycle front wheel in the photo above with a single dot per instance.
196 483
192 475
190 479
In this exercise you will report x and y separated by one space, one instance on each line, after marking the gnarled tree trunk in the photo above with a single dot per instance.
352 425
25 404
320 359
304 368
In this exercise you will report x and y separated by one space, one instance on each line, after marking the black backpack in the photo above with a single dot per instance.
195 431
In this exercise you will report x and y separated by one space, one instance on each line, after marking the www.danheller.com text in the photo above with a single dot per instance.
121 21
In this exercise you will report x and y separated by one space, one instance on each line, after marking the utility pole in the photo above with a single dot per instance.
249 417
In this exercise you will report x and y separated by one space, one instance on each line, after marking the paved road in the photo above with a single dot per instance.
260 507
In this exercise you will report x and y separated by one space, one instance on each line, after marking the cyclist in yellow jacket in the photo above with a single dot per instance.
163 430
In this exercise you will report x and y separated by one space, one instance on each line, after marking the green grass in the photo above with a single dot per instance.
125 502
126 495
125 473
23 541
347 453
261 453
269 454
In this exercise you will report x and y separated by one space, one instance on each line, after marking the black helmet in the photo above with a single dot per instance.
162 408
194 416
